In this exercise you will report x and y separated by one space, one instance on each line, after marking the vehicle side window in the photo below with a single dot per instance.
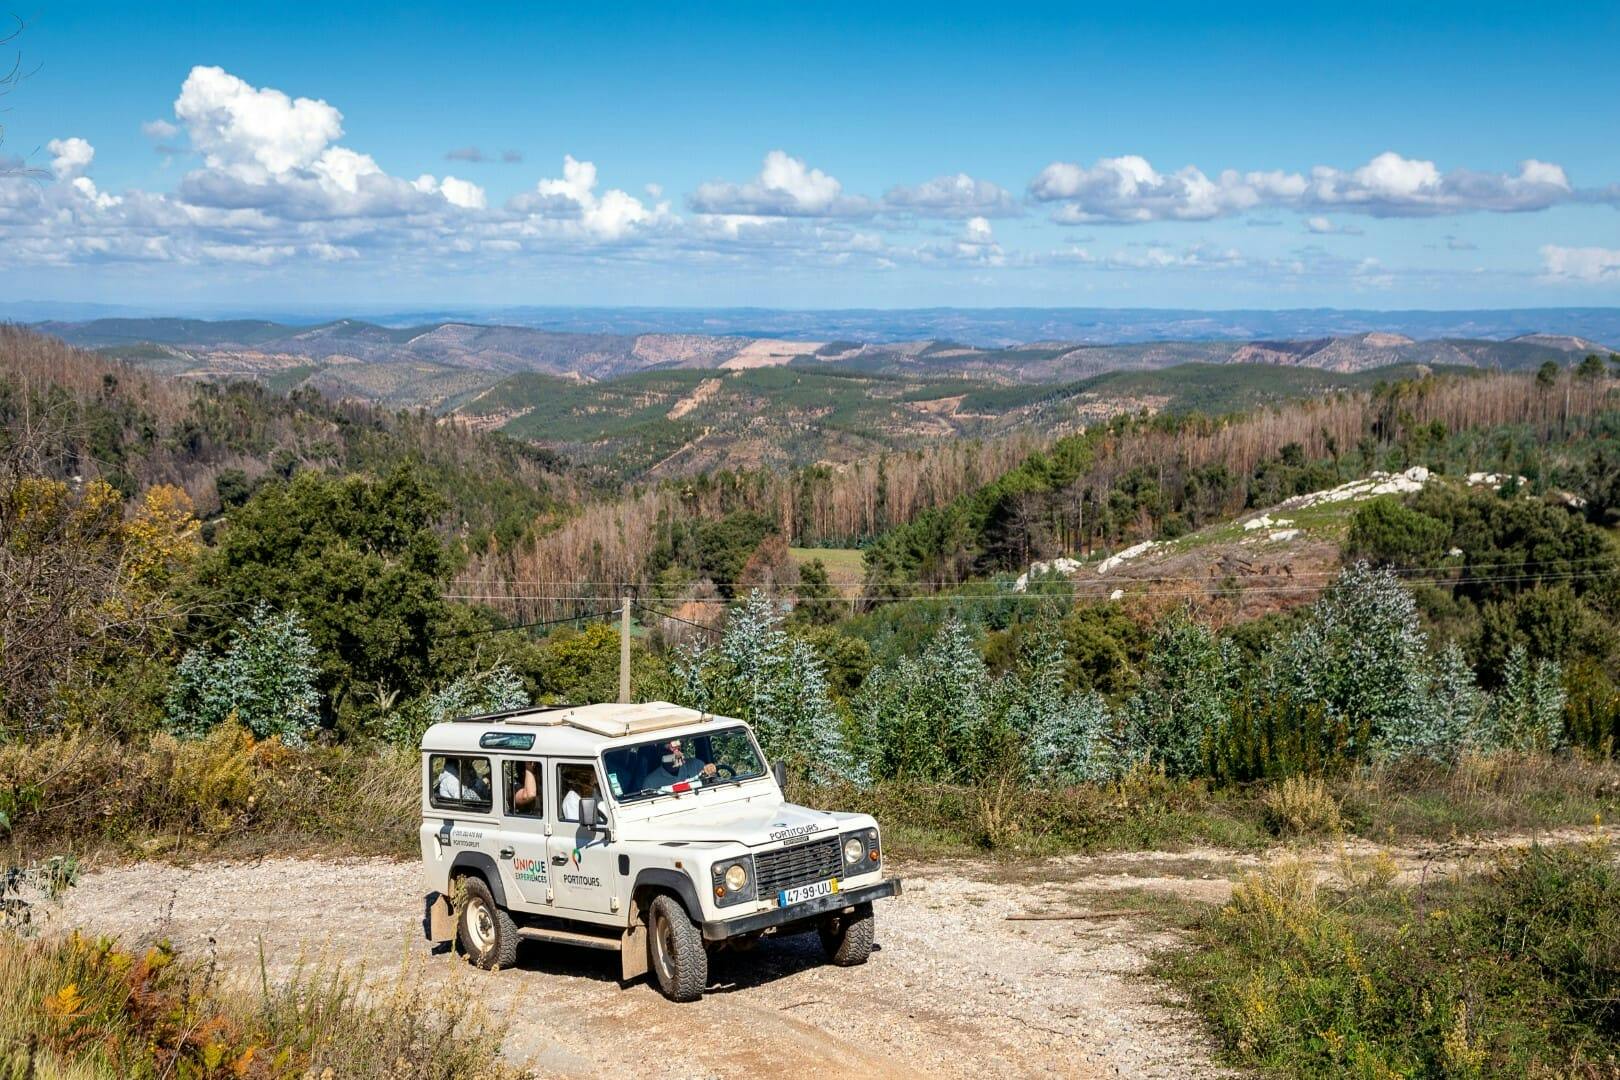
459 783
574 782
521 781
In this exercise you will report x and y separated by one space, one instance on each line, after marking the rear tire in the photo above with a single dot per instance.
487 933
848 938
675 951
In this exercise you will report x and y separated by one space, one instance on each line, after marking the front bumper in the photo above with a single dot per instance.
721 929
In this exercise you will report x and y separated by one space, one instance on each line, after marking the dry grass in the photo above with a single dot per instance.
1302 806
76 1007
226 793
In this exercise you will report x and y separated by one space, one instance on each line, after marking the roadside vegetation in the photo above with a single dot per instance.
77 1007
1509 967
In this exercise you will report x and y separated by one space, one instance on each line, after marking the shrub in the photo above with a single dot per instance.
1182 702
495 690
1302 806
776 682
1513 970
265 680
72 1006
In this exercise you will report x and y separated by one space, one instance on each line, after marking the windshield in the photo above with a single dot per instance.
686 763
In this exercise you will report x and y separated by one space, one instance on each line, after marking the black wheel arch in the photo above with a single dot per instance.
477 862
671 881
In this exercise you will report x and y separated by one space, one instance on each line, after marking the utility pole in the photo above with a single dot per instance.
624 651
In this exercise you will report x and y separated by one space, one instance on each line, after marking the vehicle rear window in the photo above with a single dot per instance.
507 740
456 782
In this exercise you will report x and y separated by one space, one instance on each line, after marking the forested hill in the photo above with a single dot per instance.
84 416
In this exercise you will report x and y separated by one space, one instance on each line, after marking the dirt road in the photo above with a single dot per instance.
955 989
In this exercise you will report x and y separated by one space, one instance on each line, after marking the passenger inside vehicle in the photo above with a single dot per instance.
579 784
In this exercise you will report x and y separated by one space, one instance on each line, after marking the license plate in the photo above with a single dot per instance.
806 892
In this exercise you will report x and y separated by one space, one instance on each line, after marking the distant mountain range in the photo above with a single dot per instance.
666 403
984 327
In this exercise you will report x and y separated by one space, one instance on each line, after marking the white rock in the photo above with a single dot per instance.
1454 553
1284 534
1129 553
1117 594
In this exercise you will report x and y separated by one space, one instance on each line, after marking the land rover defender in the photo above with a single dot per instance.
652 830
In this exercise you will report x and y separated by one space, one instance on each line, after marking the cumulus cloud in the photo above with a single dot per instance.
159 130
253 132
1582 264
1128 189
609 216
785 187
953 196
70 157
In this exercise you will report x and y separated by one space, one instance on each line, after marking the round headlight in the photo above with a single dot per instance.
854 851
736 877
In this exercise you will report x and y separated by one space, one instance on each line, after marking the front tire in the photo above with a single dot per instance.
487 933
675 951
848 938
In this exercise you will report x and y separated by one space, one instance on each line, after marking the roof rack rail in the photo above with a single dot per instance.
485 718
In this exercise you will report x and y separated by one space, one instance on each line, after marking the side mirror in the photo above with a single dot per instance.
779 772
589 814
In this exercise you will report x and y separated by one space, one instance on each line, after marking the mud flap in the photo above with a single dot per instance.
633 952
439 921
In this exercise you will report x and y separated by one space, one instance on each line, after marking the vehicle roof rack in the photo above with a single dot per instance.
485 718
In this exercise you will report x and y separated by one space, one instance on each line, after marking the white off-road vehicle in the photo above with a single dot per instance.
653 830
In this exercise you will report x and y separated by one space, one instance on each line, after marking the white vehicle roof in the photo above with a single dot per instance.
569 729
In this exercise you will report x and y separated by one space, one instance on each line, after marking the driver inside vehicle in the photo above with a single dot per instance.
676 765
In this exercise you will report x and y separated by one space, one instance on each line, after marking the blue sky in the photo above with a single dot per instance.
815 155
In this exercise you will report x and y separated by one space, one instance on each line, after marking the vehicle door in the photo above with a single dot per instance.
582 860
522 842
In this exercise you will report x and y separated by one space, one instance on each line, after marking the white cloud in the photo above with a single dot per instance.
785 187
1319 225
978 230
1584 264
1128 189
70 157
159 130
254 132
609 216
953 196
463 193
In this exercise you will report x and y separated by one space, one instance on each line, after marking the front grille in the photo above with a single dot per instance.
800 865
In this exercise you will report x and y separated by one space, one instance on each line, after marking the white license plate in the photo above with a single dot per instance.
806 892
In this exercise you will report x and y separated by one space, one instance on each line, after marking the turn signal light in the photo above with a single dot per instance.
872 855
719 891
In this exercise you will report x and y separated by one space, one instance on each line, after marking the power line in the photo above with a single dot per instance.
530 625
1459 563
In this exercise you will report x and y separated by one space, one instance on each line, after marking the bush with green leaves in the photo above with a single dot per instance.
1184 699
931 716
496 690
774 681
1528 709
265 678
1066 734
1360 656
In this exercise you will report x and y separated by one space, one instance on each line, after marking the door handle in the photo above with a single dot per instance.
559 860
506 853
